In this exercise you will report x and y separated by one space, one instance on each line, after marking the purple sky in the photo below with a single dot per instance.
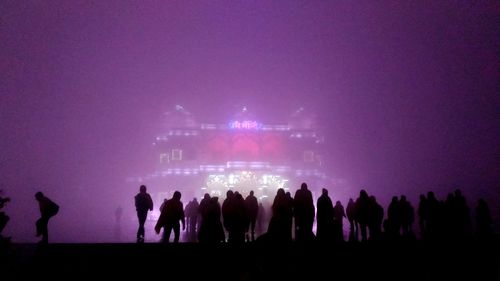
407 93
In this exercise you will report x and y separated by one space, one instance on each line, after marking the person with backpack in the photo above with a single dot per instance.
48 209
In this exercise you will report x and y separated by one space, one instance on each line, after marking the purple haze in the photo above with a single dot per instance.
407 94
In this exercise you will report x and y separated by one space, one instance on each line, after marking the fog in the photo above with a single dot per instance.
406 95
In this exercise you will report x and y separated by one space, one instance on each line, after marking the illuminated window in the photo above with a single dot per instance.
176 154
308 156
164 158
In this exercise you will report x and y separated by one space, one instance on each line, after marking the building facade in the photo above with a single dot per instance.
243 153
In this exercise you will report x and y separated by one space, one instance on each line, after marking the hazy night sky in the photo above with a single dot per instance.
406 93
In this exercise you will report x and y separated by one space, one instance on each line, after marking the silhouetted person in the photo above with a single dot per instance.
48 209
261 218
202 210
143 203
375 218
118 223
303 208
325 223
463 223
434 216
172 213
280 226
211 230
422 215
351 216
290 225
362 213
3 217
407 216
227 211
252 208
239 220
191 213
483 220
393 218
338 222
450 222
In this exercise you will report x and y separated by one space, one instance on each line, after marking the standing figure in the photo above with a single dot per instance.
261 218
325 223
304 212
362 212
191 213
171 214
338 222
48 209
407 216
3 217
422 215
252 208
143 203
353 225
280 225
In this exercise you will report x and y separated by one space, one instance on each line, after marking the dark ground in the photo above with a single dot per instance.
407 260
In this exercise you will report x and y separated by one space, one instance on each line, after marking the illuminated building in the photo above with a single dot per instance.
243 153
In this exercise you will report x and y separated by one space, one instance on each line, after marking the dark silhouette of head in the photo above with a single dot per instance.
238 196
177 195
324 191
251 192
280 191
303 186
430 195
39 195
142 189
363 193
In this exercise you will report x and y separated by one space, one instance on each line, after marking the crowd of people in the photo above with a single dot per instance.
293 218
241 219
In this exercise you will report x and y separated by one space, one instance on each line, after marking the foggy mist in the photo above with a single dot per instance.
405 95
